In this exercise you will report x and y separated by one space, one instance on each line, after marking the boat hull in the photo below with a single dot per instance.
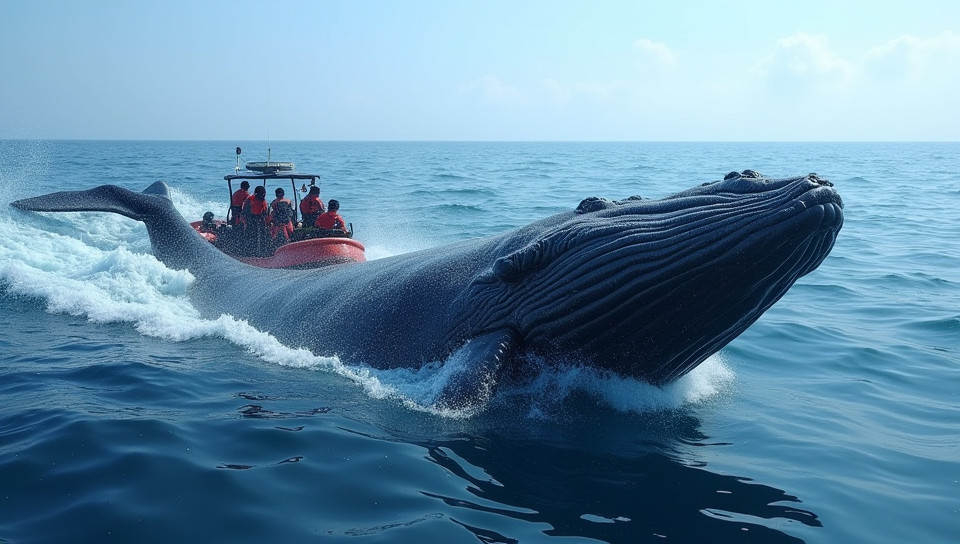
309 253
312 253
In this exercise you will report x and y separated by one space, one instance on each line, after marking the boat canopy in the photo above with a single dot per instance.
272 175
308 179
269 167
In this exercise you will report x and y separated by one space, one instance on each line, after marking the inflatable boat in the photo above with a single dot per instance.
307 247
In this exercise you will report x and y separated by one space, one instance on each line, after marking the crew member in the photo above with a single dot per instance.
311 207
281 217
331 219
208 224
236 203
255 211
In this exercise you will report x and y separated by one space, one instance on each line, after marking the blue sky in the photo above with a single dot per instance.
481 70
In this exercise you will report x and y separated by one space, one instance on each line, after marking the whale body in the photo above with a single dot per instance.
643 288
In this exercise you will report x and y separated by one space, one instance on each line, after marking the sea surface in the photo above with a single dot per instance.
126 417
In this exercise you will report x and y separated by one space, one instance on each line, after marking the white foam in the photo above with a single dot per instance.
552 386
555 385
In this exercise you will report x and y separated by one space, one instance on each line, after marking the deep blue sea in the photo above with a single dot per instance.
127 417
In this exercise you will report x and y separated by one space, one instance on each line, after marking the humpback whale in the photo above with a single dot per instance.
644 288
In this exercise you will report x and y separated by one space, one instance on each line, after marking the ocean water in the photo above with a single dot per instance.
126 417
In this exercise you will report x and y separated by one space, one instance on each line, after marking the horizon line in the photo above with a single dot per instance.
705 141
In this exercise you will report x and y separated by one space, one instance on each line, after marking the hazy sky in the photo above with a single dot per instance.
480 70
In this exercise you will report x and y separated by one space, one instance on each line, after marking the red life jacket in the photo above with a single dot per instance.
236 206
257 207
239 197
331 220
311 205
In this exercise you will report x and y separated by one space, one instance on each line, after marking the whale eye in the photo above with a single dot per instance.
506 270
513 267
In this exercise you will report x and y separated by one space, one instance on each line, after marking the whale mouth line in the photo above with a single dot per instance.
702 227
820 200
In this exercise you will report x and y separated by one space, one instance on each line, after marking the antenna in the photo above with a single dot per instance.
237 169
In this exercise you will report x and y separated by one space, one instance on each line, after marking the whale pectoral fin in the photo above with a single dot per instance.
479 363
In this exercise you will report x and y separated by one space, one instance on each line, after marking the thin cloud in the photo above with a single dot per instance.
909 58
654 54
658 52
806 61
801 81
493 89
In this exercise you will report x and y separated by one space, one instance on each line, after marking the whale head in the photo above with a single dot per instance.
651 288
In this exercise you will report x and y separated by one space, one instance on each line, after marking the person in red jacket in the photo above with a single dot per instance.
331 219
236 203
281 217
311 207
255 211
256 207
